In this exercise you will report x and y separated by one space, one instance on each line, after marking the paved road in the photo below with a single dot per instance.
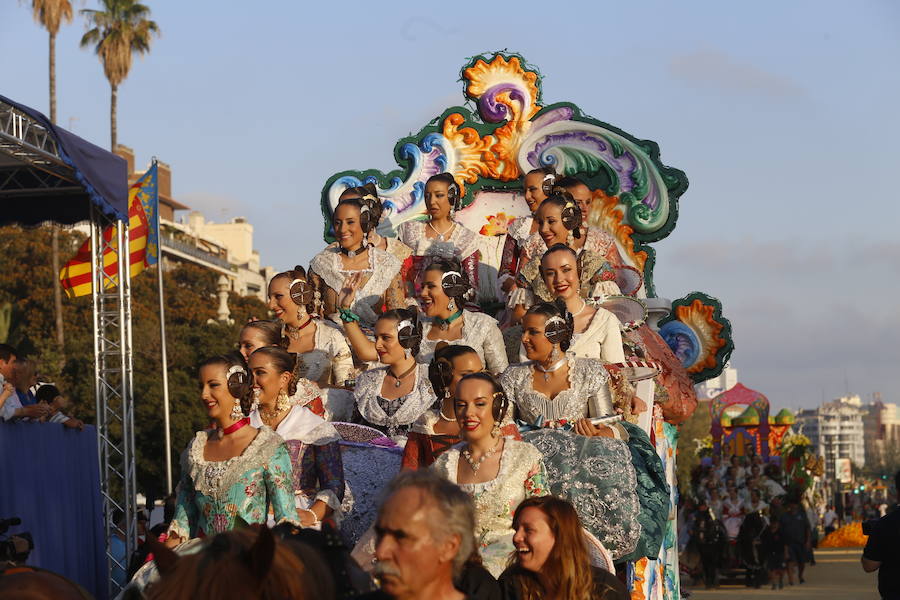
836 576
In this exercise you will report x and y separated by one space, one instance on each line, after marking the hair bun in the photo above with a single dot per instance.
238 382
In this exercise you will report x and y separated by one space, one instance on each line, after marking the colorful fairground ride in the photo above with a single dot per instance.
503 131
741 425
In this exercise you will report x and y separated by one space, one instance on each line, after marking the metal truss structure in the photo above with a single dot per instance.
31 165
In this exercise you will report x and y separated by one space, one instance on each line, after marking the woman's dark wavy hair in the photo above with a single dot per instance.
228 360
560 333
460 288
440 369
409 337
570 213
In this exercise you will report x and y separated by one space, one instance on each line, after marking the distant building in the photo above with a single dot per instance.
836 431
881 424
726 380
225 248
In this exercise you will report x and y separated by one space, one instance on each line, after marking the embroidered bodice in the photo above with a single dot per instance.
479 331
212 495
395 416
588 394
460 244
521 475
329 363
381 271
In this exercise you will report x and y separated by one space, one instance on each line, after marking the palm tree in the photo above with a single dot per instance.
51 14
117 32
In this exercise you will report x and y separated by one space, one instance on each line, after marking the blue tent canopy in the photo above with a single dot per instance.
50 174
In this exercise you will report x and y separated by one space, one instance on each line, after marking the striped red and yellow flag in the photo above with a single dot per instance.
75 276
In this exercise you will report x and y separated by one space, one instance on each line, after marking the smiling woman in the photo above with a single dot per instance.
235 471
551 558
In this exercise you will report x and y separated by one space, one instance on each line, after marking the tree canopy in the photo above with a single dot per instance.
26 278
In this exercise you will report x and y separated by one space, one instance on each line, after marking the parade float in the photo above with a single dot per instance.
741 424
504 130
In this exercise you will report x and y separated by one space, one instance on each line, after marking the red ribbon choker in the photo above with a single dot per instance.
235 426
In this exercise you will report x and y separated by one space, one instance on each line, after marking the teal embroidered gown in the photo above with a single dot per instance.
213 495
617 486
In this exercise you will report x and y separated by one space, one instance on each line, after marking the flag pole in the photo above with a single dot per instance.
162 339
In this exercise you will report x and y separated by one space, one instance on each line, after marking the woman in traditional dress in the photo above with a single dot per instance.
369 194
235 471
732 512
259 334
497 472
392 397
443 294
441 236
374 273
318 474
560 222
598 332
538 184
437 430
319 345
610 472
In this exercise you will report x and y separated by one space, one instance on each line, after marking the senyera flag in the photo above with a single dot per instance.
143 215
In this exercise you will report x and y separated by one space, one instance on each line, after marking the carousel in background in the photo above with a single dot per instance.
505 131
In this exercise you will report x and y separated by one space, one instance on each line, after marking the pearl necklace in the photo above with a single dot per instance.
439 234
476 464
580 310
547 370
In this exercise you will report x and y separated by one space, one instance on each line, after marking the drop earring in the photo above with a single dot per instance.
570 240
555 354
495 430
451 306
236 411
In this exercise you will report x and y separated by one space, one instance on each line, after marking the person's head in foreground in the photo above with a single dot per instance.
424 534
242 563
551 558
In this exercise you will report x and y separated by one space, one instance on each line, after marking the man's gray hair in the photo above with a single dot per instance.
456 507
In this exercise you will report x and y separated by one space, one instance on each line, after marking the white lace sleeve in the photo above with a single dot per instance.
495 359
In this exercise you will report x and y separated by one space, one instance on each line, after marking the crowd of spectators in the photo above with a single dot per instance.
738 516
23 397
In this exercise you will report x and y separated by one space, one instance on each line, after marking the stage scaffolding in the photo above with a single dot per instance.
32 166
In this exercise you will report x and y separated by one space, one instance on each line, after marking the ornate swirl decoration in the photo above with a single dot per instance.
699 335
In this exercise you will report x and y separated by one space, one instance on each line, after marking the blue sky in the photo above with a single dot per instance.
783 115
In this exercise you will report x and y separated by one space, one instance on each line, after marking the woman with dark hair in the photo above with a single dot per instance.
597 331
606 467
559 222
374 274
368 193
538 184
498 472
444 293
440 236
258 334
319 345
318 473
392 397
437 429
551 559
235 471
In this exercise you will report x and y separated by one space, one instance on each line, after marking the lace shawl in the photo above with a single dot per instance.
521 475
368 389
588 394
462 243
383 268
330 361
481 332
520 229
597 241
